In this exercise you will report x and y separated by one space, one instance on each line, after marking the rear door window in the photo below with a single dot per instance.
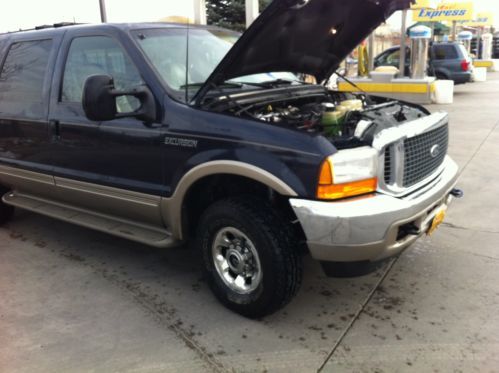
446 52
22 78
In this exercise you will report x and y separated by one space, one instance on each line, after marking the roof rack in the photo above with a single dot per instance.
43 27
57 25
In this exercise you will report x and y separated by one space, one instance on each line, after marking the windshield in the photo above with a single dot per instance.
166 50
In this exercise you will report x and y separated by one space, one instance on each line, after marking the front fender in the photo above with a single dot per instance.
172 207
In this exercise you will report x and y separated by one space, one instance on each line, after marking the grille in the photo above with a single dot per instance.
388 165
419 162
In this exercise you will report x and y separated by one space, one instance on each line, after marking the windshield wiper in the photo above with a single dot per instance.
271 83
223 85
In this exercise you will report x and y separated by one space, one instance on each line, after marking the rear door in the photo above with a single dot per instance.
446 60
24 95
26 67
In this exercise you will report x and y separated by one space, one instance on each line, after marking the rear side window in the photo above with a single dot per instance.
22 78
464 52
446 52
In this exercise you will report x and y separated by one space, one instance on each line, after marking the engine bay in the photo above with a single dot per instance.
343 118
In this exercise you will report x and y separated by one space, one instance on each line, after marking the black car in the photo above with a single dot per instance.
166 134
448 61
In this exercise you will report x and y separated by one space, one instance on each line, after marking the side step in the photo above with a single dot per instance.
145 234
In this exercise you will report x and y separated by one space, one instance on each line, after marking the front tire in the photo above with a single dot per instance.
250 256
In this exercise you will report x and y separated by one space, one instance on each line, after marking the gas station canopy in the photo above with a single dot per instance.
482 19
458 11
438 27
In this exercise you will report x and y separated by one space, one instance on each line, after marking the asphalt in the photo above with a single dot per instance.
73 300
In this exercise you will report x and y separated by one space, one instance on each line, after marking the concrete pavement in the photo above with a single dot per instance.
76 300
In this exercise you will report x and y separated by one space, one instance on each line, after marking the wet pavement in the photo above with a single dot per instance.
76 300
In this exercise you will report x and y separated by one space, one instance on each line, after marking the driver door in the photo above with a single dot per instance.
122 153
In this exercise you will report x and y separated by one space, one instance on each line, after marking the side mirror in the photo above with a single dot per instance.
99 100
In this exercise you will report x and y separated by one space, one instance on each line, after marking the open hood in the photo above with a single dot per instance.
303 36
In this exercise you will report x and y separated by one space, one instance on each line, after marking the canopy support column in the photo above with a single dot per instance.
403 43
200 12
370 52
252 11
103 14
454 30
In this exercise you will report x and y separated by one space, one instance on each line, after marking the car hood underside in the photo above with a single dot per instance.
310 37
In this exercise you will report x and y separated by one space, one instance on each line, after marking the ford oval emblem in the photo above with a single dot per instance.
435 151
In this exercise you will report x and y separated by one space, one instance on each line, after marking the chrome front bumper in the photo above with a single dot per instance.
369 228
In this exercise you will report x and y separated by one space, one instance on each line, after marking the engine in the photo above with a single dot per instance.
306 117
340 120
326 117
343 118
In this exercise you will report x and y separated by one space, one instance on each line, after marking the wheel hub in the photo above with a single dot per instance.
236 260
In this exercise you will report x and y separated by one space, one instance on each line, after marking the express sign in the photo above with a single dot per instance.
445 12
482 20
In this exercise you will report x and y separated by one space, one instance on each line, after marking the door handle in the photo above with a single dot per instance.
56 129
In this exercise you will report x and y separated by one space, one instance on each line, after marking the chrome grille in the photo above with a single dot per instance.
419 162
388 165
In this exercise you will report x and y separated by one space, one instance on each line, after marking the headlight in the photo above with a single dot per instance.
348 173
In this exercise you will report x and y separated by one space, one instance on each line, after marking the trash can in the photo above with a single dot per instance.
444 92
480 74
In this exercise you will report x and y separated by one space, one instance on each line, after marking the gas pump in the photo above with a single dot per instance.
487 41
465 37
420 41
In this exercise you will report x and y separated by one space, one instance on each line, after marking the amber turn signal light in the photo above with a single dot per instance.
347 174
326 174
351 189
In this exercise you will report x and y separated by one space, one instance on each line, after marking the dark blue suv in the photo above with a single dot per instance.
166 134
449 61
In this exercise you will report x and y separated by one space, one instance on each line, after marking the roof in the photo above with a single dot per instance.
63 26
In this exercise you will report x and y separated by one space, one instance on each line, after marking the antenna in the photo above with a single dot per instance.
187 64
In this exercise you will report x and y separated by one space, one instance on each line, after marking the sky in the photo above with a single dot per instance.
30 13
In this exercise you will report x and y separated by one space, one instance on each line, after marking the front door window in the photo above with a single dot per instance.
99 55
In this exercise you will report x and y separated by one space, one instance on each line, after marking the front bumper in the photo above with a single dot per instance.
370 228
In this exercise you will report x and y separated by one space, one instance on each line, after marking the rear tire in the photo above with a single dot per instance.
6 211
250 256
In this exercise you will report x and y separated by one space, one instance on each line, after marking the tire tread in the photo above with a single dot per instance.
286 254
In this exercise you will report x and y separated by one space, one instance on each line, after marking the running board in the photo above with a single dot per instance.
145 234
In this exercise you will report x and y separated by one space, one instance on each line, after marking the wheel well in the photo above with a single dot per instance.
3 190
210 189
